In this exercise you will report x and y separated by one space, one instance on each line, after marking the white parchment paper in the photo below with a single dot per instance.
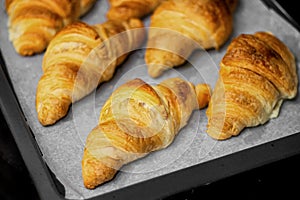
62 144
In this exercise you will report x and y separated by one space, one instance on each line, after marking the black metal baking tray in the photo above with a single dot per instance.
49 187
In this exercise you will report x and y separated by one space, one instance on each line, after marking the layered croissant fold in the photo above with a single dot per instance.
257 73
136 120
178 27
126 9
80 57
32 24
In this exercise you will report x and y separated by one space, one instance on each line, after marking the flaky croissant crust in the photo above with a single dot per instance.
136 120
32 24
206 23
257 73
126 9
79 58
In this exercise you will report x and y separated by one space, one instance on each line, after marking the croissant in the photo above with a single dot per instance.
136 120
256 74
33 23
178 27
126 9
78 59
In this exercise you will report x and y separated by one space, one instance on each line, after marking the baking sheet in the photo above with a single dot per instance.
62 144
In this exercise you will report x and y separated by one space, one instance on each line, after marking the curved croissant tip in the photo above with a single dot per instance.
222 128
50 112
135 23
155 70
203 92
218 135
94 172
46 116
29 45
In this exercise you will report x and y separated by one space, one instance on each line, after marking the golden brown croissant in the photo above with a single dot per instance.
126 9
33 23
136 120
257 73
178 27
80 57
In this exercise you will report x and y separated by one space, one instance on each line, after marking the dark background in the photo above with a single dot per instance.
275 180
